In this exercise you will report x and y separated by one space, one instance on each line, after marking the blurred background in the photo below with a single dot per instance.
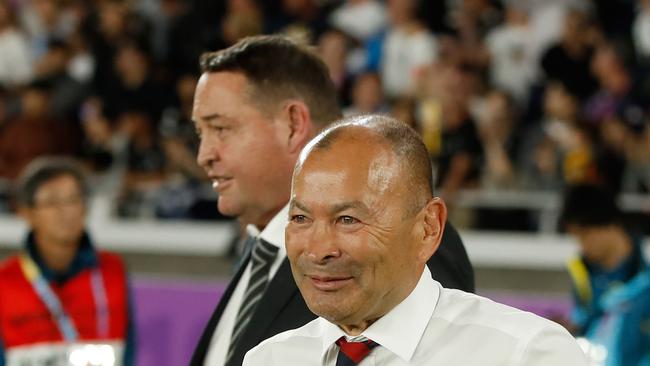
515 101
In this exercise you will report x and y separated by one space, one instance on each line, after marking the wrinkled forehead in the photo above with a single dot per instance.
367 164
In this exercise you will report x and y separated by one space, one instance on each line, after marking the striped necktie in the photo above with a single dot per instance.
352 353
262 257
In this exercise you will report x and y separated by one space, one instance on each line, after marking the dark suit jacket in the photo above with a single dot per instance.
283 308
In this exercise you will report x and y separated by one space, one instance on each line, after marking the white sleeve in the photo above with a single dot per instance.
552 345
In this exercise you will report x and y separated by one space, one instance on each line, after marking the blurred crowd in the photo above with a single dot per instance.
528 95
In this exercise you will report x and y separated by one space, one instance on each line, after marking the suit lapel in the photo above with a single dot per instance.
204 343
279 292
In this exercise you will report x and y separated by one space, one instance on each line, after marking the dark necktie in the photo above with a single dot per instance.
262 257
352 353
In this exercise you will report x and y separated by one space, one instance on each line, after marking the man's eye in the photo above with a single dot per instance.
347 220
299 219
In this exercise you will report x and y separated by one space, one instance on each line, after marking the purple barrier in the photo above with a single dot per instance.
555 306
170 315
169 318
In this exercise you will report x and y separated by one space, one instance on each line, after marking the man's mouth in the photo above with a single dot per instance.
220 183
329 283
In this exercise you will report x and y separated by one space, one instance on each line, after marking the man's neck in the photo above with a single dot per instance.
261 221
57 256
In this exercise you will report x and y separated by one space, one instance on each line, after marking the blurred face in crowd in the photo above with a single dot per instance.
47 10
575 24
400 11
367 93
248 152
356 246
58 213
559 103
35 103
185 88
112 18
595 241
332 48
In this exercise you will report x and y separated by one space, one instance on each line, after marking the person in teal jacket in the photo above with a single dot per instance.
610 278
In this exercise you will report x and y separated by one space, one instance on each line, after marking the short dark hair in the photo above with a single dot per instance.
42 170
405 142
279 69
589 205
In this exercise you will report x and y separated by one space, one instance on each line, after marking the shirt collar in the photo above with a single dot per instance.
86 257
273 233
401 329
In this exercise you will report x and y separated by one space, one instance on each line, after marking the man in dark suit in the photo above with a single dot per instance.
257 104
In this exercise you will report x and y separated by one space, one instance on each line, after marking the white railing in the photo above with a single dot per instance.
543 250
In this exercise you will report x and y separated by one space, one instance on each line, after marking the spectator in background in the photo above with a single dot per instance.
180 194
67 91
145 163
558 149
367 95
615 87
35 132
406 48
112 25
360 19
303 20
178 132
135 86
498 133
61 297
44 20
449 130
512 52
569 60
611 280
100 145
333 46
641 31
242 19
15 57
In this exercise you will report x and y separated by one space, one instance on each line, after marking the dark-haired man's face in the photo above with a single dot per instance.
58 214
243 150
354 250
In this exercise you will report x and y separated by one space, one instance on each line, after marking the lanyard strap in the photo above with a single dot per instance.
101 303
54 306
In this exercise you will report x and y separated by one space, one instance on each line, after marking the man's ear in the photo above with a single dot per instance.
434 219
301 128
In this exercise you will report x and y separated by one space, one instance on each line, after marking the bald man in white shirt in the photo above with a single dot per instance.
362 224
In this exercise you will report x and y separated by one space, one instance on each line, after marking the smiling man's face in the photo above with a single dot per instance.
356 248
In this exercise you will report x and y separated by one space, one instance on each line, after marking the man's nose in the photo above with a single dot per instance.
322 244
208 153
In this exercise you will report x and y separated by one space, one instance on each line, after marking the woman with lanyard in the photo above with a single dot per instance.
62 302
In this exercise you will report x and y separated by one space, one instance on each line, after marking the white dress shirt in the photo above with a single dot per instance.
433 326
274 234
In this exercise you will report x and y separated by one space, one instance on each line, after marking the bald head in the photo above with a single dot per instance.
411 154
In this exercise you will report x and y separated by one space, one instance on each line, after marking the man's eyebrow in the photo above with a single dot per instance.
210 117
296 204
348 205
336 208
